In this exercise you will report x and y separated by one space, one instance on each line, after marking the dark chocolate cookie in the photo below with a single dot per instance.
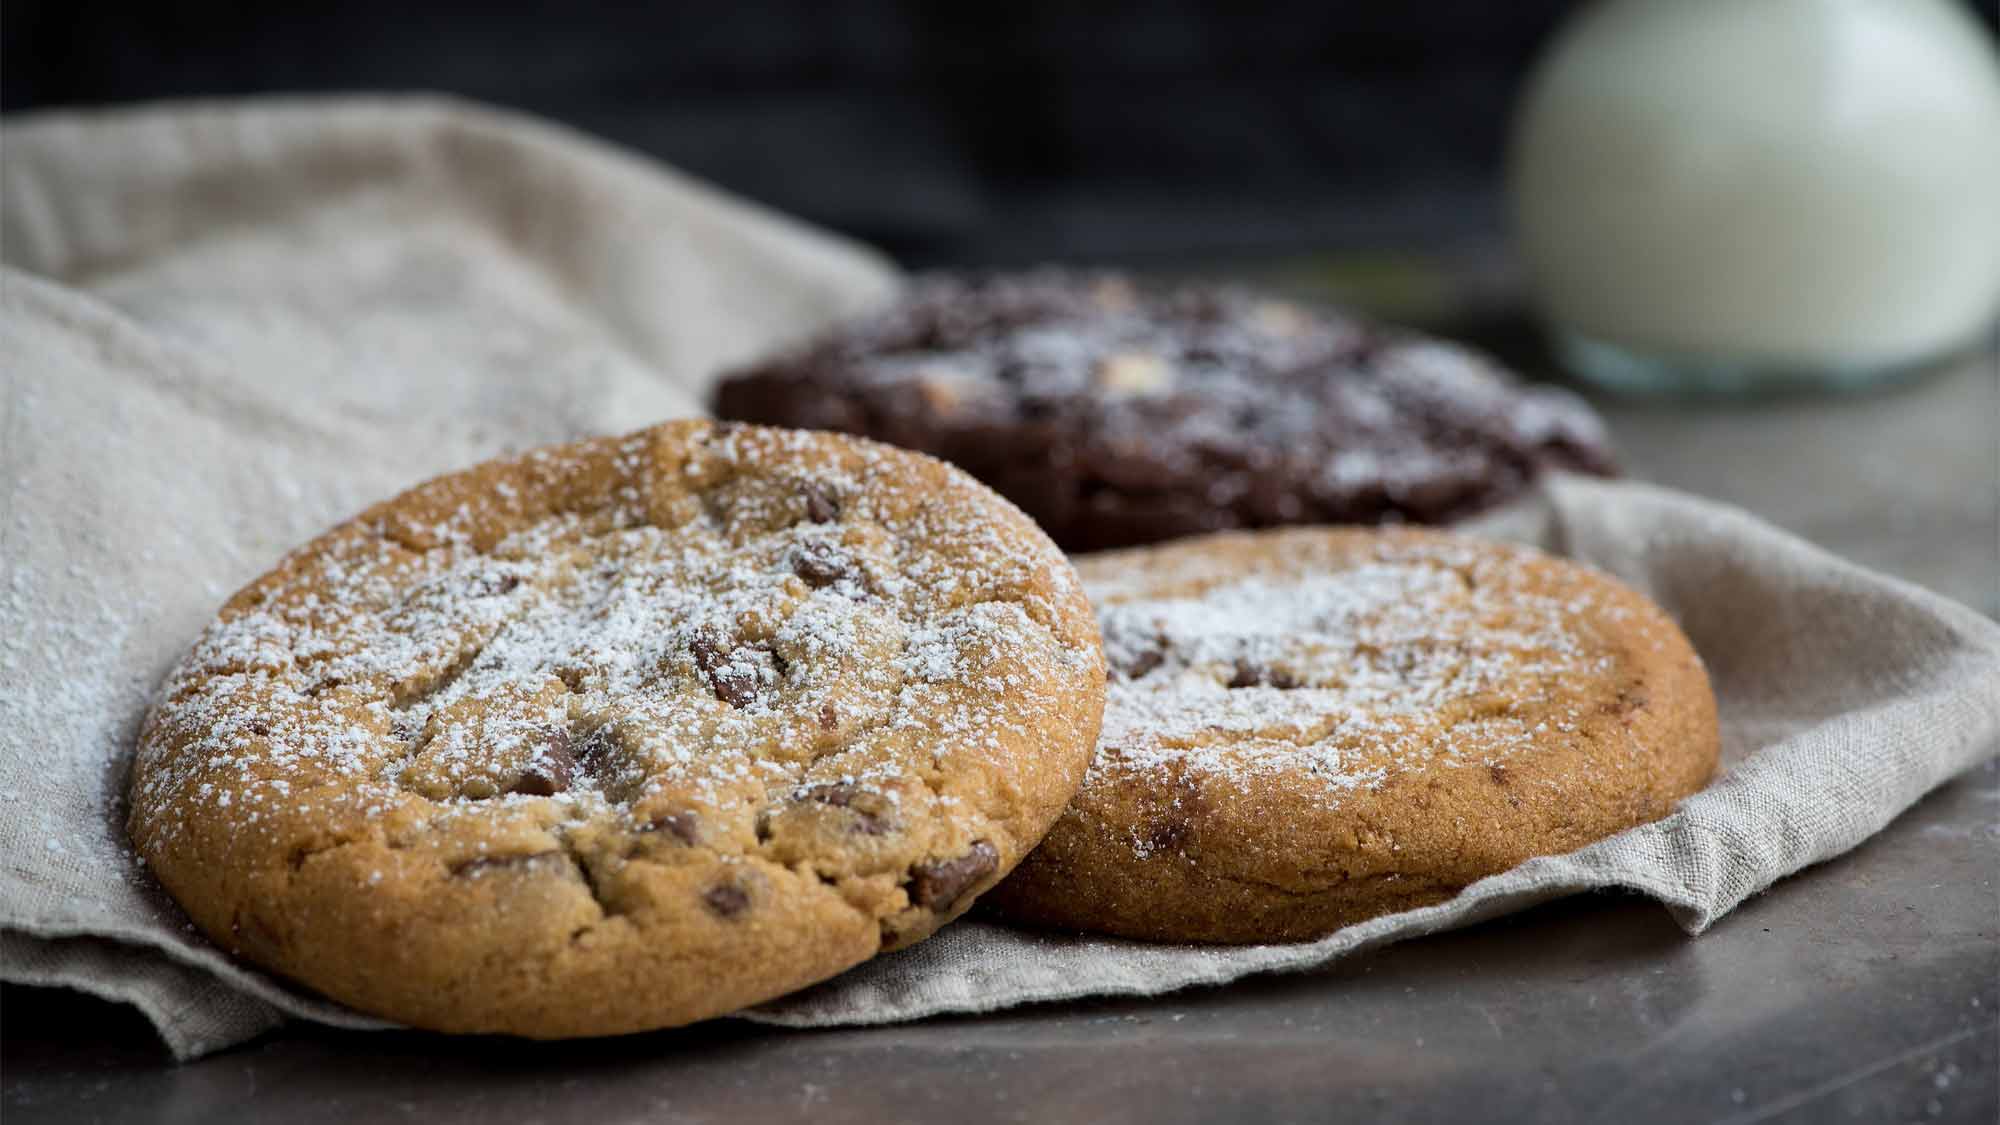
1118 416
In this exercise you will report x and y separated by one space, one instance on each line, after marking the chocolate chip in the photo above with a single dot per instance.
1168 822
258 727
829 719
709 648
536 781
821 564
735 686
937 885
1168 832
732 681
1143 663
726 899
598 752
1249 673
683 826
553 769
822 502
841 795
493 585
1498 773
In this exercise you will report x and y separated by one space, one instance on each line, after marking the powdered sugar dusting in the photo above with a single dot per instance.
1334 672
791 628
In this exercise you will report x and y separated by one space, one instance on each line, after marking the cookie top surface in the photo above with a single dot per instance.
625 733
1309 726
1117 415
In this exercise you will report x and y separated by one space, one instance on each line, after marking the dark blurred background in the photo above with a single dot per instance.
1149 134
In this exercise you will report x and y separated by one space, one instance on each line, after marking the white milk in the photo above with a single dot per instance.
1734 192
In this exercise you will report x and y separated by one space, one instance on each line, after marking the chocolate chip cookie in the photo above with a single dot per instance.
1310 727
1118 416
623 734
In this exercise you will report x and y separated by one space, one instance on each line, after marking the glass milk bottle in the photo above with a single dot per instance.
1739 195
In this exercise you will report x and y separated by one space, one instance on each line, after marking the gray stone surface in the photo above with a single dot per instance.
1905 479
1867 989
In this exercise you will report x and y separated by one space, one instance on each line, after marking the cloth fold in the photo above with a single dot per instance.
226 327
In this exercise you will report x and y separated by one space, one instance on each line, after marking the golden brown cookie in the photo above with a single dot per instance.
623 734
1311 727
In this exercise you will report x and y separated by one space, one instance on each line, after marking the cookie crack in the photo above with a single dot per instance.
854 738
605 907
795 776
407 701
1343 880
298 856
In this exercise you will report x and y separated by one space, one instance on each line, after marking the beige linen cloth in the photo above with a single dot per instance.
225 327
